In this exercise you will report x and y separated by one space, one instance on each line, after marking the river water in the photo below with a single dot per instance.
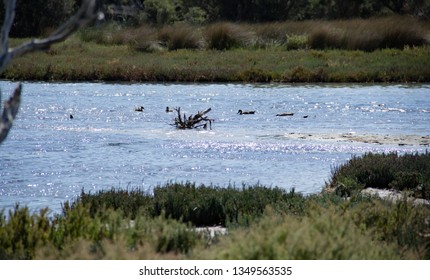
49 158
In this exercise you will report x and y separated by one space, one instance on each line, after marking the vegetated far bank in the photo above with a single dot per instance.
393 49
77 61
262 222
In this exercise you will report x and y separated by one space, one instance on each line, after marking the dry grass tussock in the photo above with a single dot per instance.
354 34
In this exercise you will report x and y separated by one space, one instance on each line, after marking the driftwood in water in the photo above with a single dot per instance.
193 121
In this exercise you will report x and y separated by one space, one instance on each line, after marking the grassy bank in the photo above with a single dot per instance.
263 223
120 63
377 50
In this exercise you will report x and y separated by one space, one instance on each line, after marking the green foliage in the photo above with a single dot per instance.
264 223
401 223
199 205
33 18
296 42
385 171
196 15
130 202
208 206
22 233
161 11
322 234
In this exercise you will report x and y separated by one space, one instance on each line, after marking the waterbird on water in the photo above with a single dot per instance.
71 116
139 109
240 112
168 110
285 114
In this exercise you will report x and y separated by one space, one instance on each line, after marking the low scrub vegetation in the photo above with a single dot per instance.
197 205
409 172
262 222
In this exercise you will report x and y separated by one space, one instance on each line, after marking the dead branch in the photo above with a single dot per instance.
86 14
10 110
193 121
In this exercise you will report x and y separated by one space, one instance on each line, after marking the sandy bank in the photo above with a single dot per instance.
401 140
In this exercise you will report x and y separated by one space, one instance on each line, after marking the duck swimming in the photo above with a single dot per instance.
240 112
139 109
168 110
284 114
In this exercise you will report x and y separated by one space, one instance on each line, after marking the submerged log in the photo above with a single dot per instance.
193 121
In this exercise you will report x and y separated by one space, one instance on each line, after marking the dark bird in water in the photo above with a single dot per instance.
285 114
240 112
139 109
71 116
168 110
305 117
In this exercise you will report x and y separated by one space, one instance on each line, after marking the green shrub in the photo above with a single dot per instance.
208 206
322 234
21 233
402 223
385 171
130 202
296 42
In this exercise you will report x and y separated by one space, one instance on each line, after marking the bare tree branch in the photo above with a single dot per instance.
86 14
9 15
9 112
193 121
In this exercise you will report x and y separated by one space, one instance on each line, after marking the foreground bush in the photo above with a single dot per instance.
263 223
409 172
78 234
199 205
322 234
326 227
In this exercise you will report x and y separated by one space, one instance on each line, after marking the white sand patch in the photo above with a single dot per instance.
393 196
401 140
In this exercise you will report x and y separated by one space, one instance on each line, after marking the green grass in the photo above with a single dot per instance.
392 49
122 63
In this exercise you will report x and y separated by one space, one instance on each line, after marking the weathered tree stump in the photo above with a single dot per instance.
193 121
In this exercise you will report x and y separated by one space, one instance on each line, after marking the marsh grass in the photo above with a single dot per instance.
226 36
180 36
355 34
123 63
369 35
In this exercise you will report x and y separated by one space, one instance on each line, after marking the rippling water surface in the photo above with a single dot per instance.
49 158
